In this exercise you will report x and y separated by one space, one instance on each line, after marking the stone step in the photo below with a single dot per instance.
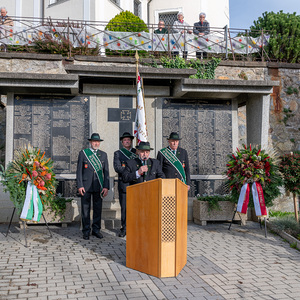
108 213
110 204
111 223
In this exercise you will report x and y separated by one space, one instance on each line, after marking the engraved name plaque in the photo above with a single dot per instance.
57 125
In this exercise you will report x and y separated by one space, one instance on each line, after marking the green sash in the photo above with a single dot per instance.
174 161
128 154
96 164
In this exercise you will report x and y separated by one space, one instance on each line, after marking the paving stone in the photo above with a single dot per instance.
221 264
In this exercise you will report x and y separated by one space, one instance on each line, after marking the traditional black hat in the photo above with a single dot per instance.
126 134
144 146
95 137
174 136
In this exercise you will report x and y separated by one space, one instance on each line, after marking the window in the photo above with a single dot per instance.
137 8
168 18
117 2
56 1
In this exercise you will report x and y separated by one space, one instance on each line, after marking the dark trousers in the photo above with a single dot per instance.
184 54
198 54
86 209
122 200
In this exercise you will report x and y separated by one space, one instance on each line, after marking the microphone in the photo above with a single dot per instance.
145 164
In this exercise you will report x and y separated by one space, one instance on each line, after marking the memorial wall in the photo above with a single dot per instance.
206 130
57 125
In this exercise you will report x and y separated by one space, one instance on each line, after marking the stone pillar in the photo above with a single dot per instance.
258 119
235 125
9 145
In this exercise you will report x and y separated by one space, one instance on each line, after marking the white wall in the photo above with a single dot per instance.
105 10
217 11
72 9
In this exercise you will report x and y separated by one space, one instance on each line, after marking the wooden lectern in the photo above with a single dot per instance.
156 227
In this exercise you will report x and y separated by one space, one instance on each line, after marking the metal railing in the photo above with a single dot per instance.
72 34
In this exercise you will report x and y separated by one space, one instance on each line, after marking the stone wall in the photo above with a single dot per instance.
285 112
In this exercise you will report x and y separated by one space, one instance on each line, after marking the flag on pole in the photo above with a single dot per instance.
140 126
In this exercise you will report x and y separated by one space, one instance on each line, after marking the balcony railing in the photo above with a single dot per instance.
225 42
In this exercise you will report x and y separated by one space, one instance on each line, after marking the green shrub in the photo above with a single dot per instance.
213 201
279 214
287 224
126 21
204 70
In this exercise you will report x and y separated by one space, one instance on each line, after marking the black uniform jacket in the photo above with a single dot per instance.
169 169
132 165
86 175
119 166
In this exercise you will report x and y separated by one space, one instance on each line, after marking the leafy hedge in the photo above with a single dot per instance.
126 21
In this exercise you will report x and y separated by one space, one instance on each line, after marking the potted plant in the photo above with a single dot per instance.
31 182
290 168
215 208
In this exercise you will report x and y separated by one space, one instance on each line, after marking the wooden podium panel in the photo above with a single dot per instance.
156 229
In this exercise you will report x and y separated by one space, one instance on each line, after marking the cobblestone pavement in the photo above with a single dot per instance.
222 264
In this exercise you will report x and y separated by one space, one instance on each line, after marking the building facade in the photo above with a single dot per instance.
150 11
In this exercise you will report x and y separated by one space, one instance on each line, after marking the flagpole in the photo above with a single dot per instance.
142 81
136 84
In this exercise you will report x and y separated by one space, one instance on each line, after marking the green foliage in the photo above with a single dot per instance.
243 75
17 191
174 63
58 206
213 201
293 245
204 70
126 21
279 214
287 114
50 45
287 224
284 30
30 165
290 168
290 90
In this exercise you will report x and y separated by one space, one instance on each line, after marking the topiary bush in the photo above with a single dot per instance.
126 21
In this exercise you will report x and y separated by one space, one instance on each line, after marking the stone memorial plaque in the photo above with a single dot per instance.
57 125
206 130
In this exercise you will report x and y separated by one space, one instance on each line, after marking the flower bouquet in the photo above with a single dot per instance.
254 166
31 182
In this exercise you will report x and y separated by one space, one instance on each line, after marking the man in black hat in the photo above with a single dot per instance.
174 160
92 177
142 168
120 158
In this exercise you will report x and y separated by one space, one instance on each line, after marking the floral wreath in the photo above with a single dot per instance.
254 165
29 166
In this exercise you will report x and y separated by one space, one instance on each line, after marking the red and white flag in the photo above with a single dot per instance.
140 126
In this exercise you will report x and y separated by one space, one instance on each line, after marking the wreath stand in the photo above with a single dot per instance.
241 220
24 226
